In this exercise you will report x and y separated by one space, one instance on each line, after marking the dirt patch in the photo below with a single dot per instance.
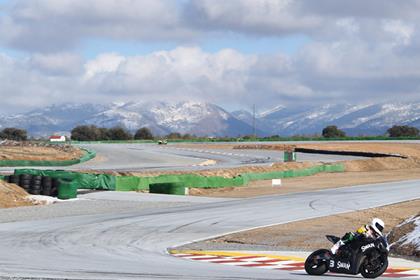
310 234
29 151
376 164
231 172
12 195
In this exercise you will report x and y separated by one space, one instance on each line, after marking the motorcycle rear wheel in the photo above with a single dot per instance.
367 272
316 263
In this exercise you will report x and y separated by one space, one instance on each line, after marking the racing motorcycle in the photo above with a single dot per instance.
366 256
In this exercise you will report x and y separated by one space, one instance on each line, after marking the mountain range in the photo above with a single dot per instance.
206 119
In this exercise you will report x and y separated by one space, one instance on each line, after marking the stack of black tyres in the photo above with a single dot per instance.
35 184
25 181
35 187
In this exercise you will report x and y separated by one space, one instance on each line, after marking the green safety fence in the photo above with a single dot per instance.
83 180
1 177
88 155
133 183
168 188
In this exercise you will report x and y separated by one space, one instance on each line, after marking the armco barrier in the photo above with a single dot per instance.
84 180
87 156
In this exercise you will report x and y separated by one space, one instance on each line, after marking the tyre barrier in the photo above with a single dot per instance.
44 185
84 180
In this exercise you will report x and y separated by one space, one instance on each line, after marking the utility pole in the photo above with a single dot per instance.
254 122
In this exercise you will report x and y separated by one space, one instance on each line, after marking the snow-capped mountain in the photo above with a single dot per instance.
162 118
367 119
205 119
52 119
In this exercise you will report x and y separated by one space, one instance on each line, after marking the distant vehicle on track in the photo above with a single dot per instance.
163 142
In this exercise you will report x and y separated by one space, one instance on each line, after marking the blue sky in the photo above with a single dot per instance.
233 53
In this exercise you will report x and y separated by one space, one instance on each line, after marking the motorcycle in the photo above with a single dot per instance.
366 256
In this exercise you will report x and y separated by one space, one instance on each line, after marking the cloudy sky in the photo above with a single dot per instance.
230 52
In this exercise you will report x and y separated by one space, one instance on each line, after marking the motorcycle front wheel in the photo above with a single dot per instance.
372 268
317 262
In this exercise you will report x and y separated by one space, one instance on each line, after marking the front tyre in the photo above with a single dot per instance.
374 267
317 262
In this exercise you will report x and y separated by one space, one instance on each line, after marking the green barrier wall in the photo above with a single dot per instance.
87 156
1 177
67 189
84 180
132 183
168 188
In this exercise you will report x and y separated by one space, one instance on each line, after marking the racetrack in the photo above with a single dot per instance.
133 245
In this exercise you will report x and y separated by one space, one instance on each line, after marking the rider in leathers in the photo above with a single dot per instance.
372 230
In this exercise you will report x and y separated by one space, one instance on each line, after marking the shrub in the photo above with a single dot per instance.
12 133
143 133
332 131
403 131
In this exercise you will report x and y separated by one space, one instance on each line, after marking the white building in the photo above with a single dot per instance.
57 138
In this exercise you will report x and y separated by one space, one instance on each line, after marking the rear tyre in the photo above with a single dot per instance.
317 262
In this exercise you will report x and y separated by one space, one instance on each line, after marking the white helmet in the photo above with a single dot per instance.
377 225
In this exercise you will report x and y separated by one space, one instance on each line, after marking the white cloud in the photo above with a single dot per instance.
358 50
261 17
104 63
57 63
49 25
401 31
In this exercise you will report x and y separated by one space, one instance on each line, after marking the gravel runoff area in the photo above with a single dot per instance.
308 235
11 150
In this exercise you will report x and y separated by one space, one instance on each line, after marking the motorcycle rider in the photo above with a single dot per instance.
372 230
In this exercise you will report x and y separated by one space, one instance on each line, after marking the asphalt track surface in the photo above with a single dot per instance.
152 156
134 245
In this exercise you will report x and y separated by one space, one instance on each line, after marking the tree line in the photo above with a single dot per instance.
94 133
333 131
